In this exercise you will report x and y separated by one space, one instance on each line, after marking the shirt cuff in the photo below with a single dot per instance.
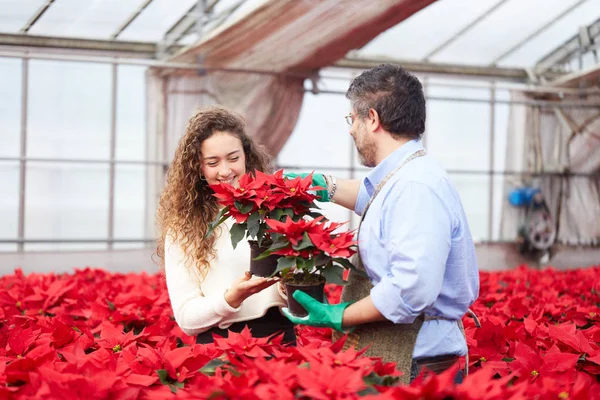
223 308
389 303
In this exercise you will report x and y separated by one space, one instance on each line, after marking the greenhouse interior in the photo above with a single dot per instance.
96 95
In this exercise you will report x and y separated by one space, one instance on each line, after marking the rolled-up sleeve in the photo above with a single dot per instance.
417 231
362 199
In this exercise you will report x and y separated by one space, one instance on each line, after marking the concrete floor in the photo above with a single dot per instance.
491 257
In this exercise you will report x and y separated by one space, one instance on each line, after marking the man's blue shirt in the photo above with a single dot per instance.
417 249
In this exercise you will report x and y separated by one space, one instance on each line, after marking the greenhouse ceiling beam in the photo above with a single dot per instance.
140 49
568 50
539 31
464 30
38 14
186 23
586 78
131 18
473 71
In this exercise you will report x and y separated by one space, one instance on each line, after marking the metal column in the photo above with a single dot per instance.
23 152
113 147
492 166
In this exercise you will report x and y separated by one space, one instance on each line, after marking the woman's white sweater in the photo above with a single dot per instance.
199 304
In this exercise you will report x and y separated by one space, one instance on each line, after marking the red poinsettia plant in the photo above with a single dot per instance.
260 197
311 247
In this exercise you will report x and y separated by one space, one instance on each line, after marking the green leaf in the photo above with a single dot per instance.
262 233
244 208
285 263
304 244
322 259
221 217
111 305
344 262
386 380
289 212
163 375
211 367
276 214
237 232
334 274
368 391
508 359
305 264
253 224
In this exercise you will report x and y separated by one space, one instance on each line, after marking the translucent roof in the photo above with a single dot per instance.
511 33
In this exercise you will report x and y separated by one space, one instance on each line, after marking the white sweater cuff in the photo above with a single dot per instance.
223 308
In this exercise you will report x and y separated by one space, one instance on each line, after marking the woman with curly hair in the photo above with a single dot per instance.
210 289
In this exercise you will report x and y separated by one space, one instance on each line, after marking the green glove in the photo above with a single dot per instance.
319 314
317 180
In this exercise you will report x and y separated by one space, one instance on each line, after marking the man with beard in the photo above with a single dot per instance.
414 240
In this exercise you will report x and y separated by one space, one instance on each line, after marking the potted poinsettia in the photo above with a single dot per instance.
260 197
312 252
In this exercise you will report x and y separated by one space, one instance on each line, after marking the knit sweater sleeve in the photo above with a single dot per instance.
194 312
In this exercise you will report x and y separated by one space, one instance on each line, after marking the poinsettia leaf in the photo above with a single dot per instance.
211 367
322 259
305 264
285 263
289 212
304 244
386 380
163 376
276 214
221 217
111 305
237 232
244 208
262 234
315 214
253 225
344 262
173 386
334 274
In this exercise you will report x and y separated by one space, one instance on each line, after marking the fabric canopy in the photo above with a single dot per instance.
289 39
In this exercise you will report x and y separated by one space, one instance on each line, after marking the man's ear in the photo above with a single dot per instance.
373 121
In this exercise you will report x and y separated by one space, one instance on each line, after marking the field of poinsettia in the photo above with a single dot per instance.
96 335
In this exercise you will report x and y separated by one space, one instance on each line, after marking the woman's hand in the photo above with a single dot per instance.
245 287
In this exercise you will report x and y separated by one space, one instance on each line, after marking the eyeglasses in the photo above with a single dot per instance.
349 119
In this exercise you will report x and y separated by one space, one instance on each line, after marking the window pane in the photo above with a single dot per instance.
86 19
502 29
458 134
532 51
131 113
321 136
130 204
156 19
14 14
9 203
474 193
422 32
69 110
10 106
66 201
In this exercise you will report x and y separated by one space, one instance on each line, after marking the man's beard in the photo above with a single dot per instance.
366 152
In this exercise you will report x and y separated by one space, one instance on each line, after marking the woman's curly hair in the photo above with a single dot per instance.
186 205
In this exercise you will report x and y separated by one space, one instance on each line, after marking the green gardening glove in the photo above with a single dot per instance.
317 180
319 314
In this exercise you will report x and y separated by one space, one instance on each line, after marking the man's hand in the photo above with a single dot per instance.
245 287
319 314
317 180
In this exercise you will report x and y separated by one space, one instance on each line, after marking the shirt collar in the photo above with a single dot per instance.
390 163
